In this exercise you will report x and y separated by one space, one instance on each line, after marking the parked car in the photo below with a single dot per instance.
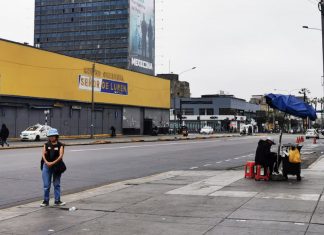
37 132
322 131
207 130
311 133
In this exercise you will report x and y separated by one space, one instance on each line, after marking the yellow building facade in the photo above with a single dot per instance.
28 73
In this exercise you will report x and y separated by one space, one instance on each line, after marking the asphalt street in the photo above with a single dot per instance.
94 165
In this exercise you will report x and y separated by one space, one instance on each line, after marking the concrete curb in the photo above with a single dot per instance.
97 142
316 162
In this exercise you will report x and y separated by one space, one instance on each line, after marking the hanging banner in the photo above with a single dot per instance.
142 36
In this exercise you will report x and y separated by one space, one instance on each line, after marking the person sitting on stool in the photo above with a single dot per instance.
265 157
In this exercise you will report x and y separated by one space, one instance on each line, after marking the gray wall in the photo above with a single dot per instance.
160 117
133 118
70 118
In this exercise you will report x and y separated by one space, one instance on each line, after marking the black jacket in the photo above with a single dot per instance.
4 133
263 152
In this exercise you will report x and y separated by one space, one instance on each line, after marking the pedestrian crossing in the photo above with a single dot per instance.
218 186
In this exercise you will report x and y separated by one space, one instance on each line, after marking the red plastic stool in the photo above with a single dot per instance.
261 173
249 170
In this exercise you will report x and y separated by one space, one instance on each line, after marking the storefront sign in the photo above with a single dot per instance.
103 85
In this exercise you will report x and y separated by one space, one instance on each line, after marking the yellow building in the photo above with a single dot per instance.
34 80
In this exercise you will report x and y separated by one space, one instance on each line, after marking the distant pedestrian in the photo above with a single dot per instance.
4 134
52 166
250 130
113 131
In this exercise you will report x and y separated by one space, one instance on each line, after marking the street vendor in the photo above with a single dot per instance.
265 157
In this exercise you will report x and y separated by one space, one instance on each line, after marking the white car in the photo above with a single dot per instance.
207 130
37 132
311 133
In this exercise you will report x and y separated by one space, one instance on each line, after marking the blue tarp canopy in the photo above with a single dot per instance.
291 105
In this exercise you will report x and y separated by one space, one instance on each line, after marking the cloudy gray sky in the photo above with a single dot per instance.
243 47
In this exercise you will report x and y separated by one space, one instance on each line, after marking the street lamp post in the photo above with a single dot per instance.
187 70
178 95
321 8
92 99
92 95
306 27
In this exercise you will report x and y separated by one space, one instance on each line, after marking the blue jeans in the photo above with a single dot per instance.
47 175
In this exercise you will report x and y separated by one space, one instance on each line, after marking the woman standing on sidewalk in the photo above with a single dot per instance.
51 165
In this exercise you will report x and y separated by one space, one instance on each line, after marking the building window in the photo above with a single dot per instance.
210 111
188 111
202 111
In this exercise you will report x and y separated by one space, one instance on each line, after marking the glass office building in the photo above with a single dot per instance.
113 32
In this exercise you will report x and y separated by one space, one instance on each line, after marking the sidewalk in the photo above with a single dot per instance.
182 202
123 139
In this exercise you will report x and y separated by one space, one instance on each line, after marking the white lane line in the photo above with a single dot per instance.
140 146
228 160
237 158
219 162
207 165
192 168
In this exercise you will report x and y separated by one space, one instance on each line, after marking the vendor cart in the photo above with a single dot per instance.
289 168
292 105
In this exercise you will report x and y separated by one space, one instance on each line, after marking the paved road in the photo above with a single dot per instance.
90 166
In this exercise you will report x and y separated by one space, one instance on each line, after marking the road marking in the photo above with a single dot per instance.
287 196
192 168
227 160
207 165
237 158
233 194
219 162
141 146
210 185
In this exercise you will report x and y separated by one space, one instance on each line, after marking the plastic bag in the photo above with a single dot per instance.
294 156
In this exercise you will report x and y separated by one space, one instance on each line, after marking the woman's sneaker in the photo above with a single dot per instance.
44 204
59 203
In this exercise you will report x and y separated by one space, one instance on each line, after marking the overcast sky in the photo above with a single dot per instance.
243 47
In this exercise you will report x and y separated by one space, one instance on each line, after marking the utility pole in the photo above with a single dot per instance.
321 8
174 115
92 92
180 115
92 99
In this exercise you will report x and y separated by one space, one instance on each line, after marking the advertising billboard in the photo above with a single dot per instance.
142 36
